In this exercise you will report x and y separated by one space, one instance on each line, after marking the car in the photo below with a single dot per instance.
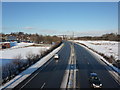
56 56
95 81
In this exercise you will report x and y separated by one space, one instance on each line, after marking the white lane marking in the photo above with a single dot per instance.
77 70
35 75
88 62
43 85
66 74
29 80
115 75
48 63
109 68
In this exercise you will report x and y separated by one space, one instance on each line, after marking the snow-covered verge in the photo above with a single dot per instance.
19 78
115 72
103 49
108 48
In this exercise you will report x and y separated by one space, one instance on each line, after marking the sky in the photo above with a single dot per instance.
60 0
60 18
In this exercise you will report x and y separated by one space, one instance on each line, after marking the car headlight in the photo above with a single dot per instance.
100 84
94 85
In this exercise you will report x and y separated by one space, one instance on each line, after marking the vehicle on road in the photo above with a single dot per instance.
56 56
95 81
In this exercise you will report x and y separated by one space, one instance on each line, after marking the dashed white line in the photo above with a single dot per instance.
34 75
43 85
29 80
77 70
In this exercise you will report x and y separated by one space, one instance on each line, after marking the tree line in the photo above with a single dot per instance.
110 37
18 64
35 38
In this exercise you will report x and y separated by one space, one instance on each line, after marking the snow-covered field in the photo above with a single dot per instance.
106 47
11 53
22 44
26 73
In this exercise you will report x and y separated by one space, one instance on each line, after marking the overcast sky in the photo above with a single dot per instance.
52 18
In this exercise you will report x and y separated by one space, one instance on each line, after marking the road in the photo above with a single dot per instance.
51 74
86 63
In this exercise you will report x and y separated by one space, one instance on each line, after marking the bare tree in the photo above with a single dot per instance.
8 71
18 62
30 57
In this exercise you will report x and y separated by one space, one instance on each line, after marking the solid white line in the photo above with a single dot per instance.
75 69
35 74
43 85
66 74
13 82
109 68
72 77
115 75
48 62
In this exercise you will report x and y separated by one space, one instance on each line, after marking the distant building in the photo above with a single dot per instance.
11 38
65 37
5 45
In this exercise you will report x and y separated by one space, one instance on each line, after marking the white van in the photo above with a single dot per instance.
56 56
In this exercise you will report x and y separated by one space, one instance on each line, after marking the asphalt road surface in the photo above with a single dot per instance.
86 63
51 74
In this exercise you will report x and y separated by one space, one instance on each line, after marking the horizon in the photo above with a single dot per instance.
53 18
61 34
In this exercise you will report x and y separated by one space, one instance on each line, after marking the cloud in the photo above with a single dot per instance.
49 31
29 28
8 28
95 32
79 33
40 30
44 31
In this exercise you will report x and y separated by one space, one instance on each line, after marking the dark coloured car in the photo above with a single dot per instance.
95 81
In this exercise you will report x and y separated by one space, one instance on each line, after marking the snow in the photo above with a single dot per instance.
105 61
19 78
8 55
106 47
22 44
